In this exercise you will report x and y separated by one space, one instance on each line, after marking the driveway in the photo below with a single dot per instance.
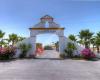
50 69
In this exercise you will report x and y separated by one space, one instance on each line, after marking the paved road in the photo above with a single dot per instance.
49 54
50 69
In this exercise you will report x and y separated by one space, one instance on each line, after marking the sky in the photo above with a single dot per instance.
16 16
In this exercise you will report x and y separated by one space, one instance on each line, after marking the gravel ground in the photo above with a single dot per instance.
48 67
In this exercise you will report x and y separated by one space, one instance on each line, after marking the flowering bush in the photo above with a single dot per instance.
7 53
87 54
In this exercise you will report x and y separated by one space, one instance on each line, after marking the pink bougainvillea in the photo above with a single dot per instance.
87 53
6 53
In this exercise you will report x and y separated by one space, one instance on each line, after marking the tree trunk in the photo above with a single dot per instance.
98 49
93 48
86 45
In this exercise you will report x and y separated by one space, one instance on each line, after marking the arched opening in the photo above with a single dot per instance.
48 44
46 24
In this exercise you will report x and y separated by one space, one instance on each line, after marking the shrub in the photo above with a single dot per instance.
70 49
69 53
63 56
87 54
7 53
24 49
48 47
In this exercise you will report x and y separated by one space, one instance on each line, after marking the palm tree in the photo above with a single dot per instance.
98 34
93 42
13 38
85 35
2 34
72 37
7 41
97 42
80 42
21 38
57 45
1 37
2 43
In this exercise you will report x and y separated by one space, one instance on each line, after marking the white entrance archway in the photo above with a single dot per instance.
53 28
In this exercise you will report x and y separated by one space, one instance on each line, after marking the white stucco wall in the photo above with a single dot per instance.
62 45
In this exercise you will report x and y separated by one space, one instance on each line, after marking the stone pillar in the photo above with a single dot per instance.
61 44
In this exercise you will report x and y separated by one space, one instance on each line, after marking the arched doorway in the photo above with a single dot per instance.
47 47
48 39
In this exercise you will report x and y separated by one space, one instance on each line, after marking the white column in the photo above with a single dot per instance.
61 44
33 43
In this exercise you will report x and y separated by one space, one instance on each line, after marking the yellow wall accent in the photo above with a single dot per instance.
46 28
